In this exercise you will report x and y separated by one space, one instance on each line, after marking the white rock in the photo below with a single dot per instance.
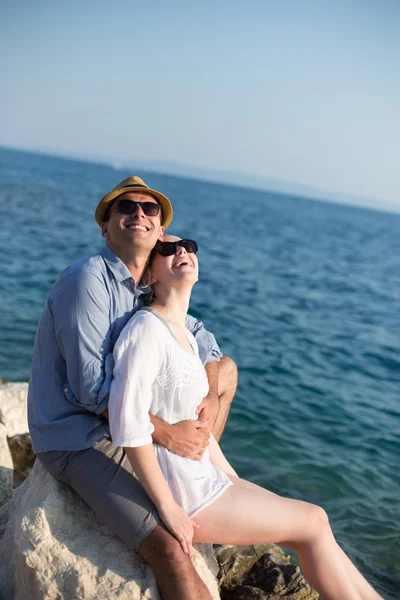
6 468
53 547
13 413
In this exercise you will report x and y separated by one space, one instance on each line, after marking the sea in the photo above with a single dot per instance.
304 295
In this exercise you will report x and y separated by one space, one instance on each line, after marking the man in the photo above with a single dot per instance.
71 373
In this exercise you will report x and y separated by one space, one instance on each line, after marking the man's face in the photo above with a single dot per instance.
136 230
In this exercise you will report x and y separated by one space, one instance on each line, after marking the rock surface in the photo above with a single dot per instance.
13 408
13 415
260 572
22 456
53 547
6 468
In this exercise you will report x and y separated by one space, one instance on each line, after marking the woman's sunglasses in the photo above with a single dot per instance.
127 207
169 248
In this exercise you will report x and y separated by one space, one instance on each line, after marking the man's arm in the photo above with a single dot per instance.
190 438
186 438
209 350
208 409
80 307
210 355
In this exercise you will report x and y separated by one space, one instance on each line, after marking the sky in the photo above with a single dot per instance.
306 92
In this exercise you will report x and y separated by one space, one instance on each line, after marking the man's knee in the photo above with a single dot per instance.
160 548
228 375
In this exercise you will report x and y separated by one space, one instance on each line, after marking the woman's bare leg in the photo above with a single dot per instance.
248 514
367 592
364 588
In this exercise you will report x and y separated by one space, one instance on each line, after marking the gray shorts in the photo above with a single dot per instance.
104 478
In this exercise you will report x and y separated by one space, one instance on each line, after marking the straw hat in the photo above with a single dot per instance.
134 184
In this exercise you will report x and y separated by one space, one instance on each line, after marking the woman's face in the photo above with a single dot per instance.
182 266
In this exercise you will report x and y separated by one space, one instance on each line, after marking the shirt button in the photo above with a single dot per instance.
101 349
65 390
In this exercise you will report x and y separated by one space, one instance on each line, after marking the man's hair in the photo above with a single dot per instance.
108 210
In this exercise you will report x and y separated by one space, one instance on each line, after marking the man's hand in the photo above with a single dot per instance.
189 439
208 410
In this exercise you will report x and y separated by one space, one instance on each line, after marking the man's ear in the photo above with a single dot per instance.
104 229
161 234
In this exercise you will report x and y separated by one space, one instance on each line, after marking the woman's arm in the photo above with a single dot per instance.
146 466
218 459
139 355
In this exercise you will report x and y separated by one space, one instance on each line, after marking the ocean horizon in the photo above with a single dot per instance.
248 181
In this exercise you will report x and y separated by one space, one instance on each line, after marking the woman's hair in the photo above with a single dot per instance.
146 278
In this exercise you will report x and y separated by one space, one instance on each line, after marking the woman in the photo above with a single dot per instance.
157 369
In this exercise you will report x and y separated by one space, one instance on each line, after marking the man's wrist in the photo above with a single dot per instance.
211 397
162 434
212 400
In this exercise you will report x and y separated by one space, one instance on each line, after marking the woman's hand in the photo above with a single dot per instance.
180 525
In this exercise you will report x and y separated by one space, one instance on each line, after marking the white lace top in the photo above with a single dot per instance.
154 373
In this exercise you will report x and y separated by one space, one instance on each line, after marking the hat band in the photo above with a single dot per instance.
134 185
139 185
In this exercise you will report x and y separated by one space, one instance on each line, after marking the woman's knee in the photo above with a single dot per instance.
317 520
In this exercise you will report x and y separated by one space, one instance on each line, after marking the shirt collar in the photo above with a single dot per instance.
115 264
120 270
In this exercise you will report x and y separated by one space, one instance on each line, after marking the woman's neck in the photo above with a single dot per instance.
172 305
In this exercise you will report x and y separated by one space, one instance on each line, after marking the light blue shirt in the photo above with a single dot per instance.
72 362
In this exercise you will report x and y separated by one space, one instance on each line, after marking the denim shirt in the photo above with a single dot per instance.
72 361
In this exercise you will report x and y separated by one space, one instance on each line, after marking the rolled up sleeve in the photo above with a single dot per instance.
209 350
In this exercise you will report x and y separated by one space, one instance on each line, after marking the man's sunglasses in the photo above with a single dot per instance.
169 248
127 207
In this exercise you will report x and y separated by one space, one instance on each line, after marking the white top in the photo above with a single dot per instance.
154 373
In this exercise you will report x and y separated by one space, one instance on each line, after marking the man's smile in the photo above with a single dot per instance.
136 226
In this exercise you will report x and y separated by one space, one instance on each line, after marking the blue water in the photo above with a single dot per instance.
304 295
